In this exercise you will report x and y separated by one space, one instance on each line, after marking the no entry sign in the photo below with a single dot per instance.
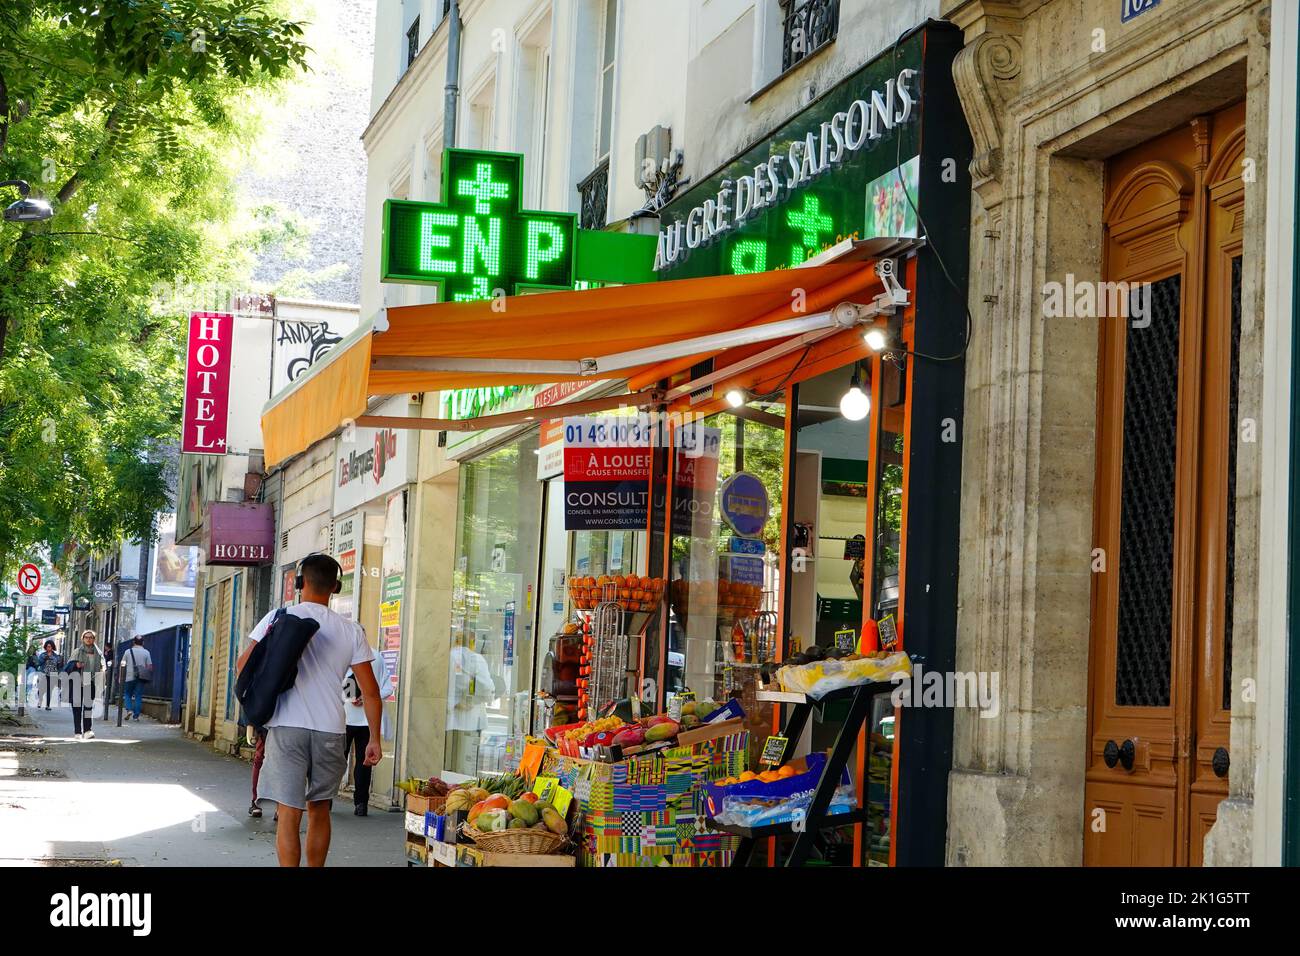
29 578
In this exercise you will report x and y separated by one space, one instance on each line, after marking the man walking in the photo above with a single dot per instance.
305 737
359 732
136 664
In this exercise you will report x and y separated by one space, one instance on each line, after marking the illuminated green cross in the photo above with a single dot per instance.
480 239
810 221
484 188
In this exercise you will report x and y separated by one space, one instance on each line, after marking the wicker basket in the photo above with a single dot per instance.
539 842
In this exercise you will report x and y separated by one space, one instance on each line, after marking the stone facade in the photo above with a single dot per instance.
1050 92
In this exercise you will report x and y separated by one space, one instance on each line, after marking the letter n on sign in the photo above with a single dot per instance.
207 383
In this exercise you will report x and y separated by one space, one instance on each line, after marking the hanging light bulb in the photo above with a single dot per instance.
735 397
876 339
855 404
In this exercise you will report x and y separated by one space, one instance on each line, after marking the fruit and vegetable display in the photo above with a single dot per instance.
721 597
630 591
819 671
432 787
775 795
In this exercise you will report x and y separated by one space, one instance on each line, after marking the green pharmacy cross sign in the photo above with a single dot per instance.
481 239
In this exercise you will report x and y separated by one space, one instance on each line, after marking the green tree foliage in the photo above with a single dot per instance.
123 113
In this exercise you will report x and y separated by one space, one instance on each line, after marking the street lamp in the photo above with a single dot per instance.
25 209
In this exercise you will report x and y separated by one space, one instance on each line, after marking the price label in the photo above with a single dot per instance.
846 639
888 633
773 751
675 705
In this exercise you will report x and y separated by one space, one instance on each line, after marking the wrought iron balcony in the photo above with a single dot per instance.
594 193
809 26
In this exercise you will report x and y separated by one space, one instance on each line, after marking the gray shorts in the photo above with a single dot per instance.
301 766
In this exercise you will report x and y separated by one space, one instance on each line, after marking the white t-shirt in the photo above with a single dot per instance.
356 715
313 702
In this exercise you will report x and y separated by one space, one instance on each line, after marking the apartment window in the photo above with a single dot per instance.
808 26
607 79
412 41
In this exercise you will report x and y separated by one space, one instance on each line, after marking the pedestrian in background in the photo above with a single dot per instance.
48 663
137 670
84 665
257 736
359 731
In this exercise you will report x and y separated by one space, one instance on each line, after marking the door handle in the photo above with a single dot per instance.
1220 762
1119 754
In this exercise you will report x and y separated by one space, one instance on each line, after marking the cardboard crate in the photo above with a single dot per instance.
472 856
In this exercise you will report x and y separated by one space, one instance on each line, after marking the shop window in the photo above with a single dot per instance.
724 579
490 673
808 25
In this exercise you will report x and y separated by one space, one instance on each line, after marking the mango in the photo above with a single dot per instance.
631 737
518 824
554 822
524 812
661 731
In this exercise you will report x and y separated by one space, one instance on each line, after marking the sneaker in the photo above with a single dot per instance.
254 810
90 734
79 737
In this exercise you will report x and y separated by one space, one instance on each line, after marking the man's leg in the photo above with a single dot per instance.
318 831
49 686
288 844
361 795
259 755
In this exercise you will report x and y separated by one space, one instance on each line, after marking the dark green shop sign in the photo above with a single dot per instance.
844 167
481 239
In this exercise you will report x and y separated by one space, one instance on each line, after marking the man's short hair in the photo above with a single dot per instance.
139 639
320 572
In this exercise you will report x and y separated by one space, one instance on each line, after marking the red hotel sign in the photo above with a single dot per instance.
239 533
207 383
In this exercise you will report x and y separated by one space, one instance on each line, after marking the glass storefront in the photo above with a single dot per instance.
493 602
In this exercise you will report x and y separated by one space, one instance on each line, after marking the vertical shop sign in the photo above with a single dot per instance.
695 480
207 383
346 541
606 474
508 632
394 583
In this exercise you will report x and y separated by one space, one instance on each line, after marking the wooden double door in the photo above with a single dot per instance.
1168 433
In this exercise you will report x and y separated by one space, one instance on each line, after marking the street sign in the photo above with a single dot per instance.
27 600
103 591
29 578
6 608
62 609
49 617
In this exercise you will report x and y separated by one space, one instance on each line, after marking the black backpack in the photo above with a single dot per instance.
272 667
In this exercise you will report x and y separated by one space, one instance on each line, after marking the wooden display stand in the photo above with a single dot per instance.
809 834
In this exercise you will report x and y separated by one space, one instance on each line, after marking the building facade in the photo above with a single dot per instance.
1111 523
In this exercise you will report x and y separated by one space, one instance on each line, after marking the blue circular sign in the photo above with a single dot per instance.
744 505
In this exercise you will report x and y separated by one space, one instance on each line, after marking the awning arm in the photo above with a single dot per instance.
651 396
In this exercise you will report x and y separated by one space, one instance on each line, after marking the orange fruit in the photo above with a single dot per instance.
769 776
787 771
747 776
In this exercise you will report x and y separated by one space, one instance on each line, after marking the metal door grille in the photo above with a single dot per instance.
1145 627
1230 539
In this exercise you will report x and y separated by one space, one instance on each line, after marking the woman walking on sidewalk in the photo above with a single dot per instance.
84 665
49 662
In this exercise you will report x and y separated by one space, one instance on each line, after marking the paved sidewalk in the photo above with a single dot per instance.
144 795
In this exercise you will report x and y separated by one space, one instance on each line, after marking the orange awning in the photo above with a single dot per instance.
548 329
